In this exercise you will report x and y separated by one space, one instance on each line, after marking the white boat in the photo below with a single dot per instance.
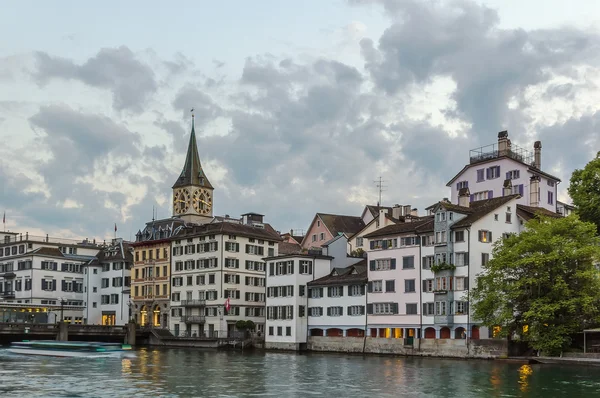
68 348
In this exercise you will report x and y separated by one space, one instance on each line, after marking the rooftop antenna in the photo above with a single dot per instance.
379 184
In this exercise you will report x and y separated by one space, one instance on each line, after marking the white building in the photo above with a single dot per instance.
495 167
42 277
217 263
287 297
107 285
394 287
337 302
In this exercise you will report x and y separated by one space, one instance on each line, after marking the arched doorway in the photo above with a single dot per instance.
156 315
355 333
445 333
430 333
144 316
475 333
459 333
316 332
333 332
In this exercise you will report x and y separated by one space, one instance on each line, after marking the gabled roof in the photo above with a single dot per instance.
374 220
337 224
374 210
340 236
481 208
192 173
355 274
422 225
529 167
48 251
529 212
450 206
288 248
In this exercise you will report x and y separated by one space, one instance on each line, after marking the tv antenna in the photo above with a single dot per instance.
379 184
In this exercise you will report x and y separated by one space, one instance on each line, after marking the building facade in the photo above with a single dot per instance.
287 297
497 167
219 276
41 278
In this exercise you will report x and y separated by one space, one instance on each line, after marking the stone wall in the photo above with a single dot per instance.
453 348
282 346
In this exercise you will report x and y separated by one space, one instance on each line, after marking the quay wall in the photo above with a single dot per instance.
450 348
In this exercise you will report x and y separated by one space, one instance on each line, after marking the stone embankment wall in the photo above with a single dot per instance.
488 349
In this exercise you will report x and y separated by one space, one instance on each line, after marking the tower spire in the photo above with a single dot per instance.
192 173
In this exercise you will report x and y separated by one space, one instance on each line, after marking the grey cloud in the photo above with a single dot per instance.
132 82
191 97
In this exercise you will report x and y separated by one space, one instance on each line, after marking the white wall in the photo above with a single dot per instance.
345 321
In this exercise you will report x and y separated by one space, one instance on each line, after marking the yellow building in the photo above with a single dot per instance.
151 273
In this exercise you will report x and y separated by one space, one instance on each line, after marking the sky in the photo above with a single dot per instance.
300 106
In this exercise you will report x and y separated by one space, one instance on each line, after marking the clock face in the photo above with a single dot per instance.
202 201
181 201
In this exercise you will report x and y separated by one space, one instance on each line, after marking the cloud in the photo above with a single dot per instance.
294 134
117 69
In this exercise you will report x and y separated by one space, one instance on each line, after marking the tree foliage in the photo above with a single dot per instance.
585 192
358 253
544 279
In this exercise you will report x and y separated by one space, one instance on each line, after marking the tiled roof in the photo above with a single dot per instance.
113 252
288 248
48 251
421 225
229 228
297 238
481 208
192 173
344 276
337 223
529 212
375 210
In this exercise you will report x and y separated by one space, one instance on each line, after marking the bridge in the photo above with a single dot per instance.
63 331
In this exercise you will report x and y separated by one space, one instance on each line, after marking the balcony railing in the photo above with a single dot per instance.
8 275
446 320
8 295
193 318
193 303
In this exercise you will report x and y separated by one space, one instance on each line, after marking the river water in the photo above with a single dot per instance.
197 373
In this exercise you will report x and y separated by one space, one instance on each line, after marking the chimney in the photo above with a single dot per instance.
507 188
464 197
537 155
414 212
534 191
397 211
382 213
406 210
502 143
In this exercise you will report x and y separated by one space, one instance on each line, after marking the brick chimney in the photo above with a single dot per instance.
503 143
507 188
537 155
414 212
534 191
464 197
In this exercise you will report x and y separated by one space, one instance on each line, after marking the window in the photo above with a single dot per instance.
279 331
355 310
322 236
288 331
335 291
460 283
508 218
440 308
493 172
459 236
306 267
517 189
316 292
461 259
440 237
428 308
485 236
483 195
411 309
480 175
550 198
356 290
461 307
375 286
409 286
383 308
270 330
485 258
390 286
335 311
441 216
428 285
462 184
382 264
550 183
314 238
513 174
359 242
315 311
408 262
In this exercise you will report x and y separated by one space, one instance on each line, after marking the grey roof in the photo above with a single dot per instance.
192 173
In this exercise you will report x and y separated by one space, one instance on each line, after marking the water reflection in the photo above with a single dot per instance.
185 372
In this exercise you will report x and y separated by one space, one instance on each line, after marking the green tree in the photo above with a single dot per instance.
544 279
357 252
585 192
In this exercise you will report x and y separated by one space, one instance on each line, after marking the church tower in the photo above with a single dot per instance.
192 192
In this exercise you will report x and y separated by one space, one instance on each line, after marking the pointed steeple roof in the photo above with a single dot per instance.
192 173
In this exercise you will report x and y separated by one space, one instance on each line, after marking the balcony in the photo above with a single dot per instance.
445 320
491 152
8 275
193 318
8 295
193 303
443 295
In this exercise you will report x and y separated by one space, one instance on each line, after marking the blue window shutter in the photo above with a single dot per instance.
372 243
466 184
507 175
487 173
490 194
372 265
393 263
457 186
472 197
521 189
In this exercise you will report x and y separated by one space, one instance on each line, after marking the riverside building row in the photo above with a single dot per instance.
416 272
